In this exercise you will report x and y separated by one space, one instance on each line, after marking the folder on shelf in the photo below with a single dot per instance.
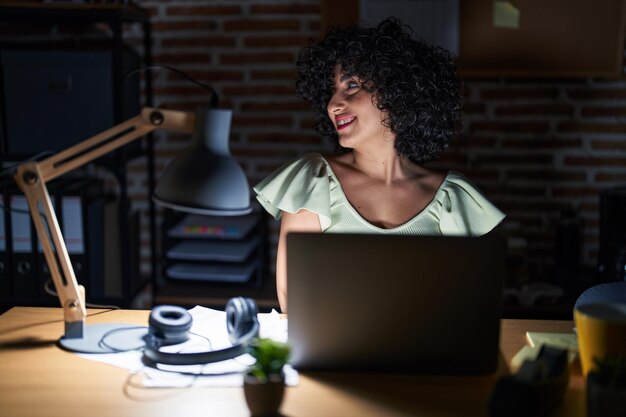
211 250
24 247
5 236
233 273
80 212
215 227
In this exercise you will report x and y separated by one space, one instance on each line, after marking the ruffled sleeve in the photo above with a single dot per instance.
301 184
464 210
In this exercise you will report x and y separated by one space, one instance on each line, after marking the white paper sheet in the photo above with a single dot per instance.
207 324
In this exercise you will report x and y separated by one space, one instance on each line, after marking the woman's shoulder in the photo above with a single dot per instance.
467 208
302 183
311 161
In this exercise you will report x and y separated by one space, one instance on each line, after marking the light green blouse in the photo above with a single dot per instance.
458 208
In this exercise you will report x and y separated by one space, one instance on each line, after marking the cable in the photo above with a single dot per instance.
50 291
102 342
32 158
214 97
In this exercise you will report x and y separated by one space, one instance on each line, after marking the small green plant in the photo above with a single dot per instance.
270 357
611 372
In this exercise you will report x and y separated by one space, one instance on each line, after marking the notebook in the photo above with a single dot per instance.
406 304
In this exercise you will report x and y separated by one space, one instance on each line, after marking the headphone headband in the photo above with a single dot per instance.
170 325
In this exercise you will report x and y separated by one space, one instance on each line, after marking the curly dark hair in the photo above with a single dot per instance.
414 82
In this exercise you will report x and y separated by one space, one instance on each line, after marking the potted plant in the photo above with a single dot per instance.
606 388
264 382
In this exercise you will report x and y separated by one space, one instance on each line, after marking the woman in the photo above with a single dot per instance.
390 104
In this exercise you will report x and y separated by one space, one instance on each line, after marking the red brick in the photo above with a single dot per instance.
184 26
204 41
589 207
449 155
308 123
474 108
481 174
592 127
261 121
285 9
610 177
613 145
576 191
152 11
315 26
181 91
208 76
274 74
603 111
258 58
274 106
514 189
547 175
257 90
473 141
511 127
609 93
207 11
542 143
507 93
265 25
536 109
276 41
594 161
187 58
505 160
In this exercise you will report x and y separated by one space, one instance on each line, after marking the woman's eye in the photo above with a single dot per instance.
352 84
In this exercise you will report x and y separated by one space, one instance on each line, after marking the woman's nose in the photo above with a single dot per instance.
336 104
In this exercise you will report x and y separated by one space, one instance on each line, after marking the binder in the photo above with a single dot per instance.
43 271
5 235
24 268
80 213
227 273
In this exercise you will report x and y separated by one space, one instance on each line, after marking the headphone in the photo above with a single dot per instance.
169 325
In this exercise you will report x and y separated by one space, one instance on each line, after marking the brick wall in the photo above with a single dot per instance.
533 146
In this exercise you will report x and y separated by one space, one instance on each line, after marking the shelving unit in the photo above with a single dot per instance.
114 16
207 260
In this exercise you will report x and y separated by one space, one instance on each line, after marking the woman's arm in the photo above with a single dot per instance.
302 221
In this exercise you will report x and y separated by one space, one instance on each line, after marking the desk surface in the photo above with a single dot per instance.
39 379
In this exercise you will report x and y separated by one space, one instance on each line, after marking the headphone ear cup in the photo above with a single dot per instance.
169 325
241 318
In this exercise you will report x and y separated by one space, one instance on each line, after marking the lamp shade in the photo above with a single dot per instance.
204 178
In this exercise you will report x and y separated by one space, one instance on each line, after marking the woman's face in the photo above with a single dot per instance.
353 113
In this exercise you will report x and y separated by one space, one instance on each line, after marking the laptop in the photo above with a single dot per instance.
405 304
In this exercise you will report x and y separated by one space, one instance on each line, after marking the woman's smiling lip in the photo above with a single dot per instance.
344 121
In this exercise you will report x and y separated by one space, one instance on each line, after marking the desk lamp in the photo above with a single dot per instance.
203 179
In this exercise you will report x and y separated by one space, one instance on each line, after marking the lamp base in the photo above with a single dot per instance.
107 338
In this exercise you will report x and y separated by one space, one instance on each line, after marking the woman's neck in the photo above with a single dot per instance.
383 165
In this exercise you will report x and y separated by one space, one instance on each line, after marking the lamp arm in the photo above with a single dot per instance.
32 178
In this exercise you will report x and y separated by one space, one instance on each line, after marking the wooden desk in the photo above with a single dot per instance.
39 379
